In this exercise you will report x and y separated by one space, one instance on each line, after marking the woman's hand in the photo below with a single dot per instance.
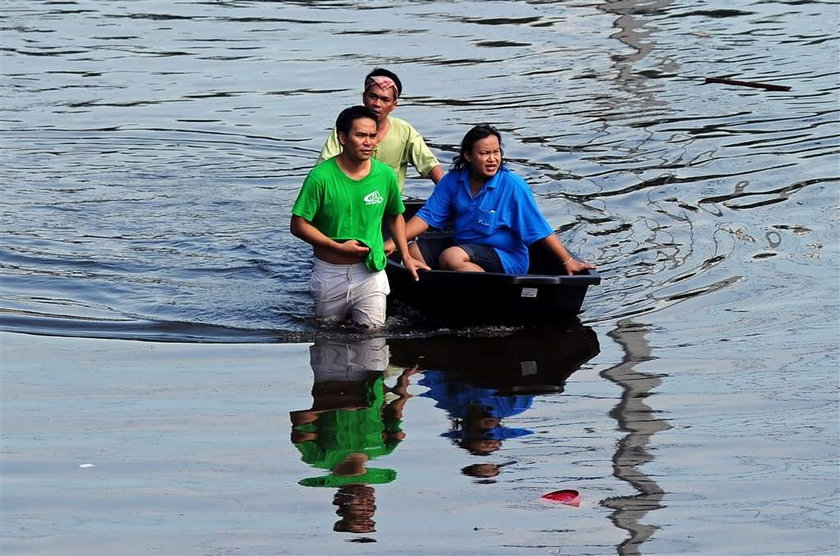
573 265
390 246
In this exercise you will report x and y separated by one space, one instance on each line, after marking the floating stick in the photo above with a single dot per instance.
727 81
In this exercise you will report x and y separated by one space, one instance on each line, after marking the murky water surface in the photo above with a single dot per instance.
150 155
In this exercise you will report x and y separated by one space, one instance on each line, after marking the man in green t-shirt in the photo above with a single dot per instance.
398 143
339 211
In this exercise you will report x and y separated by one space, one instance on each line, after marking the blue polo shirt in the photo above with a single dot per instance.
503 215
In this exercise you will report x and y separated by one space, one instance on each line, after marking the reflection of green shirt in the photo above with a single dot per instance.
348 431
401 146
343 208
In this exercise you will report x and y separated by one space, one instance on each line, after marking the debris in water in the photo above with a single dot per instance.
568 497
727 81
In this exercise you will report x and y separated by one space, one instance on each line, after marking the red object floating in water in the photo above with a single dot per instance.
568 497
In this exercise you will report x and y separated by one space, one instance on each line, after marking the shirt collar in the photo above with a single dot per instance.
491 184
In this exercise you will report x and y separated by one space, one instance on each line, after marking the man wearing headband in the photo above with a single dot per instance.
398 143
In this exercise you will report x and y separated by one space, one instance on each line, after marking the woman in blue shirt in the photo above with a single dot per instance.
493 212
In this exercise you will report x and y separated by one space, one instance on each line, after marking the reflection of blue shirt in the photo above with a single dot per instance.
503 215
456 397
497 433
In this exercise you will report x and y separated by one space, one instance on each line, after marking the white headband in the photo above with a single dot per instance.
384 82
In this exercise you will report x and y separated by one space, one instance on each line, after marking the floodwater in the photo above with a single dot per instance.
166 391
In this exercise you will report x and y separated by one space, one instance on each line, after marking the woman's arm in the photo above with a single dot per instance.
413 228
553 243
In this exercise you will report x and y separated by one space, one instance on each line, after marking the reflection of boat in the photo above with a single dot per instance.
529 361
545 295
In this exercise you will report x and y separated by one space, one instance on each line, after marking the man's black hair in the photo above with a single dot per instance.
477 133
349 115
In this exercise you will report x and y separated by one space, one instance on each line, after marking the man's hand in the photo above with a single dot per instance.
413 265
353 247
420 265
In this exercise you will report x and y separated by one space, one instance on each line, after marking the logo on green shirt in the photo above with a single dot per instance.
374 198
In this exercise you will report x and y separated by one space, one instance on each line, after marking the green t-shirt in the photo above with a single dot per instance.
343 208
401 146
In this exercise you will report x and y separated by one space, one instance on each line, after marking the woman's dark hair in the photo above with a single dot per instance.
349 115
389 74
477 133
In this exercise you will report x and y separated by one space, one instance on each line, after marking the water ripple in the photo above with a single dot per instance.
150 155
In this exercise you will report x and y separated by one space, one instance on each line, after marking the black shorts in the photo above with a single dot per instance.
483 255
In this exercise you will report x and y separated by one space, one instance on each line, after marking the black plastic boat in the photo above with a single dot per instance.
546 294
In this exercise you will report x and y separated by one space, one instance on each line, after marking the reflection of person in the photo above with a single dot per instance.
484 470
356 507
476 413
398 143
339 211
481 470
494 215
350 423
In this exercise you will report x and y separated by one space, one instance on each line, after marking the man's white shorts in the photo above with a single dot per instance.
335 361
349 290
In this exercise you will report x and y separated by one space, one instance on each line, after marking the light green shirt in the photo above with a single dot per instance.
401 146
342 208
